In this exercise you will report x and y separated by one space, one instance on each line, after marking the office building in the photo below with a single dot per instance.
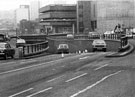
86 16
113 12
34 9
22 13
58 18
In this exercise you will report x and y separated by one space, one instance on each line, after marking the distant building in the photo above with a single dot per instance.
58 18
113 12
86 16
34 9
22 13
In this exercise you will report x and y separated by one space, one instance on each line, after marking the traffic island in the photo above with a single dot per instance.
123 52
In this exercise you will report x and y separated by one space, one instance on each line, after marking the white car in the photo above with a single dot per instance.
99 44
109 32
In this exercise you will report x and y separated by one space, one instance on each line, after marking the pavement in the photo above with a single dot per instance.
125 52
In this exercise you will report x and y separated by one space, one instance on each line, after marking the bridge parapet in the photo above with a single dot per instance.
33 49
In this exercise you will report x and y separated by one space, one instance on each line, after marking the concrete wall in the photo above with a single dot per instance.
80 44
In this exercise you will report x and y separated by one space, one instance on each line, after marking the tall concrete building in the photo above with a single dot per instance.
34 9
58 18
86 16
22 13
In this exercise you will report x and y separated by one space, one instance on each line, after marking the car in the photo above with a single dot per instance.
6 50
70 36
109 32
94 35
99 44
63 48
19 41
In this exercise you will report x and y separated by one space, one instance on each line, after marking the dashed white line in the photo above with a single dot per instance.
101 67
21 92
28 67
91 86
83 58
39 92
7 63
55 78
76 77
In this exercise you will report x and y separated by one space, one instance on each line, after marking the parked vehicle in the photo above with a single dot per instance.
70 36
6 50
109 32
94 35
99 44
63 48
19 41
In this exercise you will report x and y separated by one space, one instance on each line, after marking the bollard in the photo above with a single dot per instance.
79 52
20 49
86 51
62 55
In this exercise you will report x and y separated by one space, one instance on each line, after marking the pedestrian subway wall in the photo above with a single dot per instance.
80 44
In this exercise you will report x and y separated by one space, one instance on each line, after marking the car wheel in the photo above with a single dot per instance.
5 56
104 49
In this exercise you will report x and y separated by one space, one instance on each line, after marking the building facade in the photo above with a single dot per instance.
113 12
86 16
22 13
58 18
34 9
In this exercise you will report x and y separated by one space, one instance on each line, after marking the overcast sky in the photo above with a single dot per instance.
14 4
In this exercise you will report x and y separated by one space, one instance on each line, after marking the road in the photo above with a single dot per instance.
75 75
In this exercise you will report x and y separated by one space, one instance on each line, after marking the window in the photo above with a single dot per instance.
80 6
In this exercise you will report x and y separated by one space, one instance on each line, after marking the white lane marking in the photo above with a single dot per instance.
55 78
101 67
76 77
27 61
28 67
7 63
21 92
39 92
83 58
110 53
91 86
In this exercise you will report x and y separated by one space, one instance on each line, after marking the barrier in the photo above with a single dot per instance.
32 49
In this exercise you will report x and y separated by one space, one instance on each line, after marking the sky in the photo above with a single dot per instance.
14 4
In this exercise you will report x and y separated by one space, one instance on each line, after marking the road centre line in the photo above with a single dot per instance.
76 77
21 92
83 58
91 86
55 78
101 67
39 92
28 67
7 63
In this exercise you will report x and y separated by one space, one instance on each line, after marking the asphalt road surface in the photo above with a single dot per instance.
75 75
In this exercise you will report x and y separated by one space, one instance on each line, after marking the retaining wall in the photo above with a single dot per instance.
80 44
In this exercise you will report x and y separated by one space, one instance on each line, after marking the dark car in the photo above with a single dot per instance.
6 50
63 48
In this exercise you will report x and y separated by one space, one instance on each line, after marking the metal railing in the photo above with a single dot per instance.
32 49
98 36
